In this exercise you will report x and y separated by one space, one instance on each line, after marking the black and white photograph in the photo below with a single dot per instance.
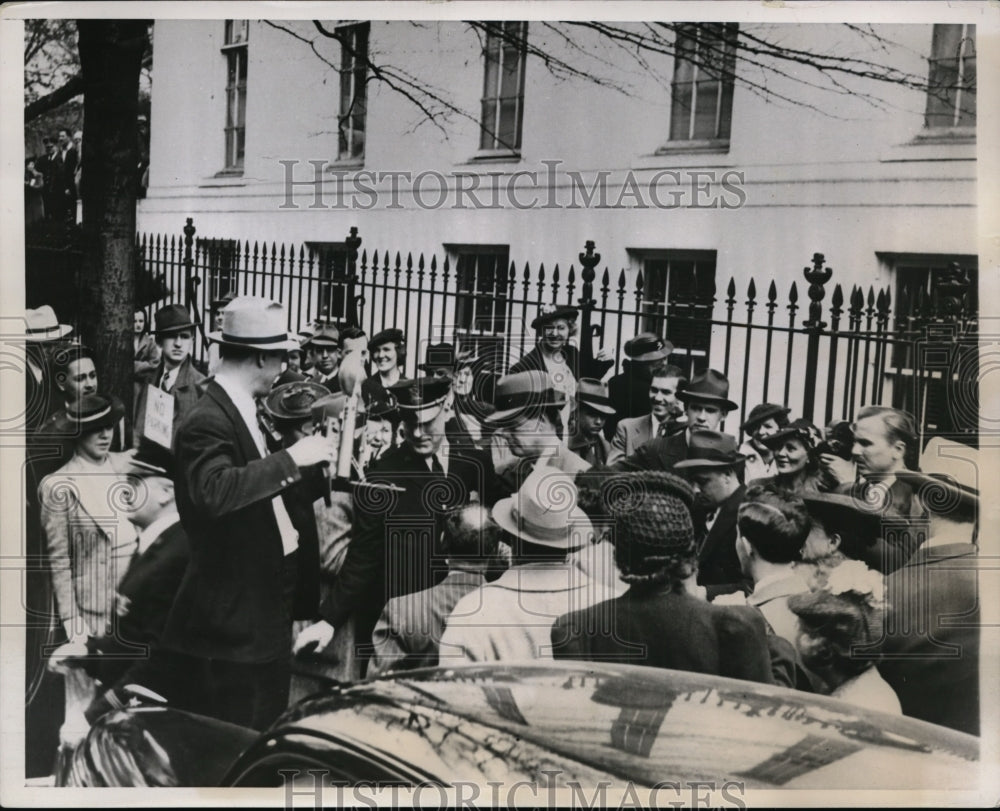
499 404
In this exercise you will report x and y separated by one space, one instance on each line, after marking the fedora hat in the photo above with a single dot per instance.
648 347
255 323
544 511
92 412
151 459
548 313
800 429
593 394
293 401
222 302
760 414
326 335
172 318
709 387
524 390
42 325
711 449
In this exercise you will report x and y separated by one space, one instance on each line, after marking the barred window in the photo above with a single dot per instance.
503 86
951 92
235 51
353 92
702 87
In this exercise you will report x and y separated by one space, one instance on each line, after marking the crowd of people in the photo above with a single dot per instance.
52 179
318 512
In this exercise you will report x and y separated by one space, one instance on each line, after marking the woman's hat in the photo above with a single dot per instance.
544 511
522 391
849 608
760 414
42 325
386 336
255 323
92 412
293 401
710 387
648 347
800 429
172 318
841 514
548 313
651 511
711 449
593 394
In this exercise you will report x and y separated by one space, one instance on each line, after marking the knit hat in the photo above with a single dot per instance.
652 516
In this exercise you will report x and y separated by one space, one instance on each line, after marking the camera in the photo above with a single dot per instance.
839 440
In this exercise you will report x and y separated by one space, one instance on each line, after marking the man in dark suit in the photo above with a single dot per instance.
715 467
629 391
706 403
249 517
409 631
68 159
396 545
930 650
660 621
175 373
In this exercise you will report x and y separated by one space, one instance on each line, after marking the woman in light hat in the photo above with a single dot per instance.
89 540
796 462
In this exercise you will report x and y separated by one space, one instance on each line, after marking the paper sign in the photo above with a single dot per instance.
159 417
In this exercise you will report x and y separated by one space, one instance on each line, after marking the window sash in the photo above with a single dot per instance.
951 79
702 86
502 104
236 53
353 95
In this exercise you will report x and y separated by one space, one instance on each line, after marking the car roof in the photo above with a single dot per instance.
640 724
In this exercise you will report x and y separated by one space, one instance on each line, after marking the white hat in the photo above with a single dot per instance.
257 323
42 325
544 511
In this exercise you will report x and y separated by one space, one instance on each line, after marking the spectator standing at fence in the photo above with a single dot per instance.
48 165
662 418
593 407
34 189
144 346
796 463
764 420
408 633
629 390
885 444
706 403
660 621
323 347
175 374
387 350
248 514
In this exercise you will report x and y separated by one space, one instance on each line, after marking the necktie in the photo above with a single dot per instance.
662 431
436 465
163 380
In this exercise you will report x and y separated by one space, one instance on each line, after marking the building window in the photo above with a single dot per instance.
677 297
353 92
328 265
220 258
951 81
701 106
235 51
503 86
482 296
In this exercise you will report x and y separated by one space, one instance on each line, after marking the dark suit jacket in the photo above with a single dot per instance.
670 630
900 540
935 672
396 545
660 453
231 604
629 394
533 361
717 559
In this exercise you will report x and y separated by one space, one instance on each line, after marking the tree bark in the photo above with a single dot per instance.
111 53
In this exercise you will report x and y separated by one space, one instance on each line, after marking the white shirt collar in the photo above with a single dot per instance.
157 528
442 455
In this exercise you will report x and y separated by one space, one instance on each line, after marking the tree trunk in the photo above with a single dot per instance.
111 53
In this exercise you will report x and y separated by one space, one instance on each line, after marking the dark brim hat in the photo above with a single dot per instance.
593 394
152 459
294 401
712 387
841 513
415 398
93 412
386 336
845 620
549 313
220 303
760 414
711 449
647 346
172 318
522 391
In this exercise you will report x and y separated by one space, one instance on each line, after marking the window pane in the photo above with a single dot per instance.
967 105
705 109
507 135
680 113
702 87
511 72
487 116
945 41
726 113
941 96
492 72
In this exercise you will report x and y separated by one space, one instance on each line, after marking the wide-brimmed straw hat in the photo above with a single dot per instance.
256 323
544 511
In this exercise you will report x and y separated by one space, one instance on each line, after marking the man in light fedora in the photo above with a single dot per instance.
629 389
42 335
511 618
661 418
230 630
175 373
715 468
593 407
706 403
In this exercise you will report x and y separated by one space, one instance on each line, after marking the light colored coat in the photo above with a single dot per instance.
630 435
511 618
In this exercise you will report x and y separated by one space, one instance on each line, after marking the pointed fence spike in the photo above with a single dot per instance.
793 293
752 290
772 292
731 288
